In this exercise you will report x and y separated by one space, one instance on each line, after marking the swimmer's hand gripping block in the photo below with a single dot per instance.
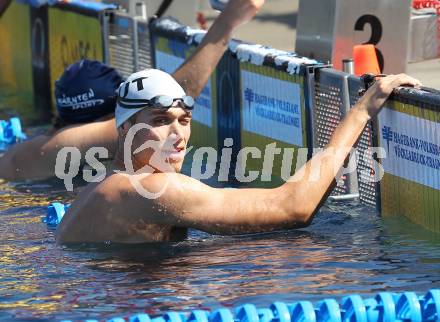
10 133
384 307
54 213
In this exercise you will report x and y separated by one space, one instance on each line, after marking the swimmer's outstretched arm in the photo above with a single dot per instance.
116 211
196 70
36 158
190 203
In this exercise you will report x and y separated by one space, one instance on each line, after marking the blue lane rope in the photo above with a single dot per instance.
10 133
384 307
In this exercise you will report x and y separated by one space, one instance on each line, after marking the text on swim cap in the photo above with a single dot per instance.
79 101
126 86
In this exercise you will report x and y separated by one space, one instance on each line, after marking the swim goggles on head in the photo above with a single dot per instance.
160 101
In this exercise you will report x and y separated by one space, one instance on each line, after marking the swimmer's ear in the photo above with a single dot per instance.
124 128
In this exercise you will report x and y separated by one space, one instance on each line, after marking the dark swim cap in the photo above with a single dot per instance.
86 91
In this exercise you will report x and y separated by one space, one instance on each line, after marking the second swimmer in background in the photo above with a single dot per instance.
85 99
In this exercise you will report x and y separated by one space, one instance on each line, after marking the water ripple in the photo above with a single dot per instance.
347 249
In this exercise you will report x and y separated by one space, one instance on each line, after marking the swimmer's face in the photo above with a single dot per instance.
167 138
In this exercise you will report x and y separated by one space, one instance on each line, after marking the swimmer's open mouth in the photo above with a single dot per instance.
175 154
174 151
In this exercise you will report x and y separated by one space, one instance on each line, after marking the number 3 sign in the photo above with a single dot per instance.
383 23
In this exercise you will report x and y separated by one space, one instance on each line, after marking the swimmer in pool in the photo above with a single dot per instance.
161 204
86 101
94 126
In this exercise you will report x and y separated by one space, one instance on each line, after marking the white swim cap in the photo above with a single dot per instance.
139 88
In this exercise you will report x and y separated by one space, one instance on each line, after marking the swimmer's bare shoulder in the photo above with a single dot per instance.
115 211
111 211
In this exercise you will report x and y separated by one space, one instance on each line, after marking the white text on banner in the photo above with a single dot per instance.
411 154
272 108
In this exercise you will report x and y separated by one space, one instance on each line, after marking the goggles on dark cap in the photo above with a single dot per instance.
160 101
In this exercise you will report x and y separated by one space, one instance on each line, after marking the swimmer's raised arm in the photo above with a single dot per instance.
36 158
196 70
186 202
193 204
316 179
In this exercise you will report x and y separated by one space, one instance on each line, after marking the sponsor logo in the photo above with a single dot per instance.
80 101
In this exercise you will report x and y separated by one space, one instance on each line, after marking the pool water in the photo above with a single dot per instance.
347 249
